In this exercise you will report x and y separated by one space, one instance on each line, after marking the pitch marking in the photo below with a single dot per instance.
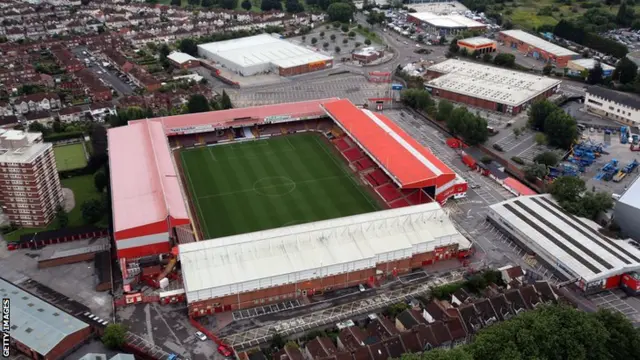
288 184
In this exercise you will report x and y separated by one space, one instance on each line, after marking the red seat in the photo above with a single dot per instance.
341 144
399 203
388 192
353 154
380 177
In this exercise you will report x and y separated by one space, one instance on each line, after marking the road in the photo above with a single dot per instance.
108 77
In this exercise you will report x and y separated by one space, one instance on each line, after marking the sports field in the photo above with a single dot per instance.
264 184
70 157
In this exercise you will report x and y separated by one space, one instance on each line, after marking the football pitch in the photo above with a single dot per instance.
70 157
264 184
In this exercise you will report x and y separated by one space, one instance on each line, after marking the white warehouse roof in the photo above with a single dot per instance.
540 43
263 49
571 244
269 258
180 57
447 21
500 85
591 63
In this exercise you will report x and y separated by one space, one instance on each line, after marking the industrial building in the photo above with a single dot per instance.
31 191
537 48
627 211
613 105
39 329
182 60
571 246
488 87
444 24
247 270
264 53
481 45
367 54
581 67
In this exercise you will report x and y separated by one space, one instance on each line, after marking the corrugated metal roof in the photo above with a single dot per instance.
123 357
36 323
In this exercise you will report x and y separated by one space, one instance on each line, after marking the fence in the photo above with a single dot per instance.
44 238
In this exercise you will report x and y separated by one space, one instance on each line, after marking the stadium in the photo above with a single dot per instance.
269 203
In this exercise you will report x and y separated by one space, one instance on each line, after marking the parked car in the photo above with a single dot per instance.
224 351
201 336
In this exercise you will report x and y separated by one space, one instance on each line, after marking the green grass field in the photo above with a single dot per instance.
70 157
264 184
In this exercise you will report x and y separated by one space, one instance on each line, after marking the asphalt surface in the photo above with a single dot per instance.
108 76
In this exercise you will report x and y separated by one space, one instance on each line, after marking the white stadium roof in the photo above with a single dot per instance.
540 43
447 21
263 49
571 244
286 255
500 85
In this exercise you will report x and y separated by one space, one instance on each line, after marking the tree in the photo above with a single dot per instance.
591 204
596 74
176 2
210 3
325 45
567 188
225 101
444 110
561 129
367 42
246 4
332 37
314 41
625 15
345 41
394 310
337 49
623 341
352 34
100 180
192 2
547 69
548 158
487 58
321 34
541 139
535 171
341 12
189 46
304 38
197 103
538 113
114 336
418 99
38 127
92 211
62 218
472 128
293 6
453 47
626 71
277 341
267 5
344 28
504 59
225 4
517 132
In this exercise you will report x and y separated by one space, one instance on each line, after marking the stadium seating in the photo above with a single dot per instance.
399 203
364 164
379 177
388 192
353 154
341 144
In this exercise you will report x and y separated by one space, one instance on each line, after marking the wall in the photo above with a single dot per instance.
612 110
65 260
559 61
627 217
306 68
69 344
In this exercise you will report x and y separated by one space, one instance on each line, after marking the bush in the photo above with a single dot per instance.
498 147
114 336
63 136
517 160
486 159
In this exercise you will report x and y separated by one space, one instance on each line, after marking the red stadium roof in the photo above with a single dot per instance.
410 164
208 121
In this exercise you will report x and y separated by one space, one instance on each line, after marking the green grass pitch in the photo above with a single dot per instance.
70 157
264 184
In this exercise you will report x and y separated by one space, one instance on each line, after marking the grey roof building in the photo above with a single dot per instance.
627 211
41 327
93 356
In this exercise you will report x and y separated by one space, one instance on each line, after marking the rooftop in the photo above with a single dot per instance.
540 43
447 21
245 262
477 41
21 147
631 101
263 49
573 244
508 87
36 323
591 63
180 57
144 185
409 163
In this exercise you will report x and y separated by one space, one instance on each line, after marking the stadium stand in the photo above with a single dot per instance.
353 154
388 192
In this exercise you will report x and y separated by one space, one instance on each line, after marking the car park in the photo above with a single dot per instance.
201 336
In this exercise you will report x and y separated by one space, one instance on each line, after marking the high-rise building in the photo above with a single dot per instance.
30 187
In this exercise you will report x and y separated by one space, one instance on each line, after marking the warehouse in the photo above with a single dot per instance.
39 329
269 266
488 87
480 44
537 48
264 53
627 211
581 67
613 105
571 246
444 24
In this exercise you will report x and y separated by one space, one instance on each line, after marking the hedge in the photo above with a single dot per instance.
63 136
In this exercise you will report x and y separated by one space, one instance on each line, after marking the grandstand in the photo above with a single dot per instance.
238 177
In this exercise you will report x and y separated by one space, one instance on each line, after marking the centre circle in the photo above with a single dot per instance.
274 186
